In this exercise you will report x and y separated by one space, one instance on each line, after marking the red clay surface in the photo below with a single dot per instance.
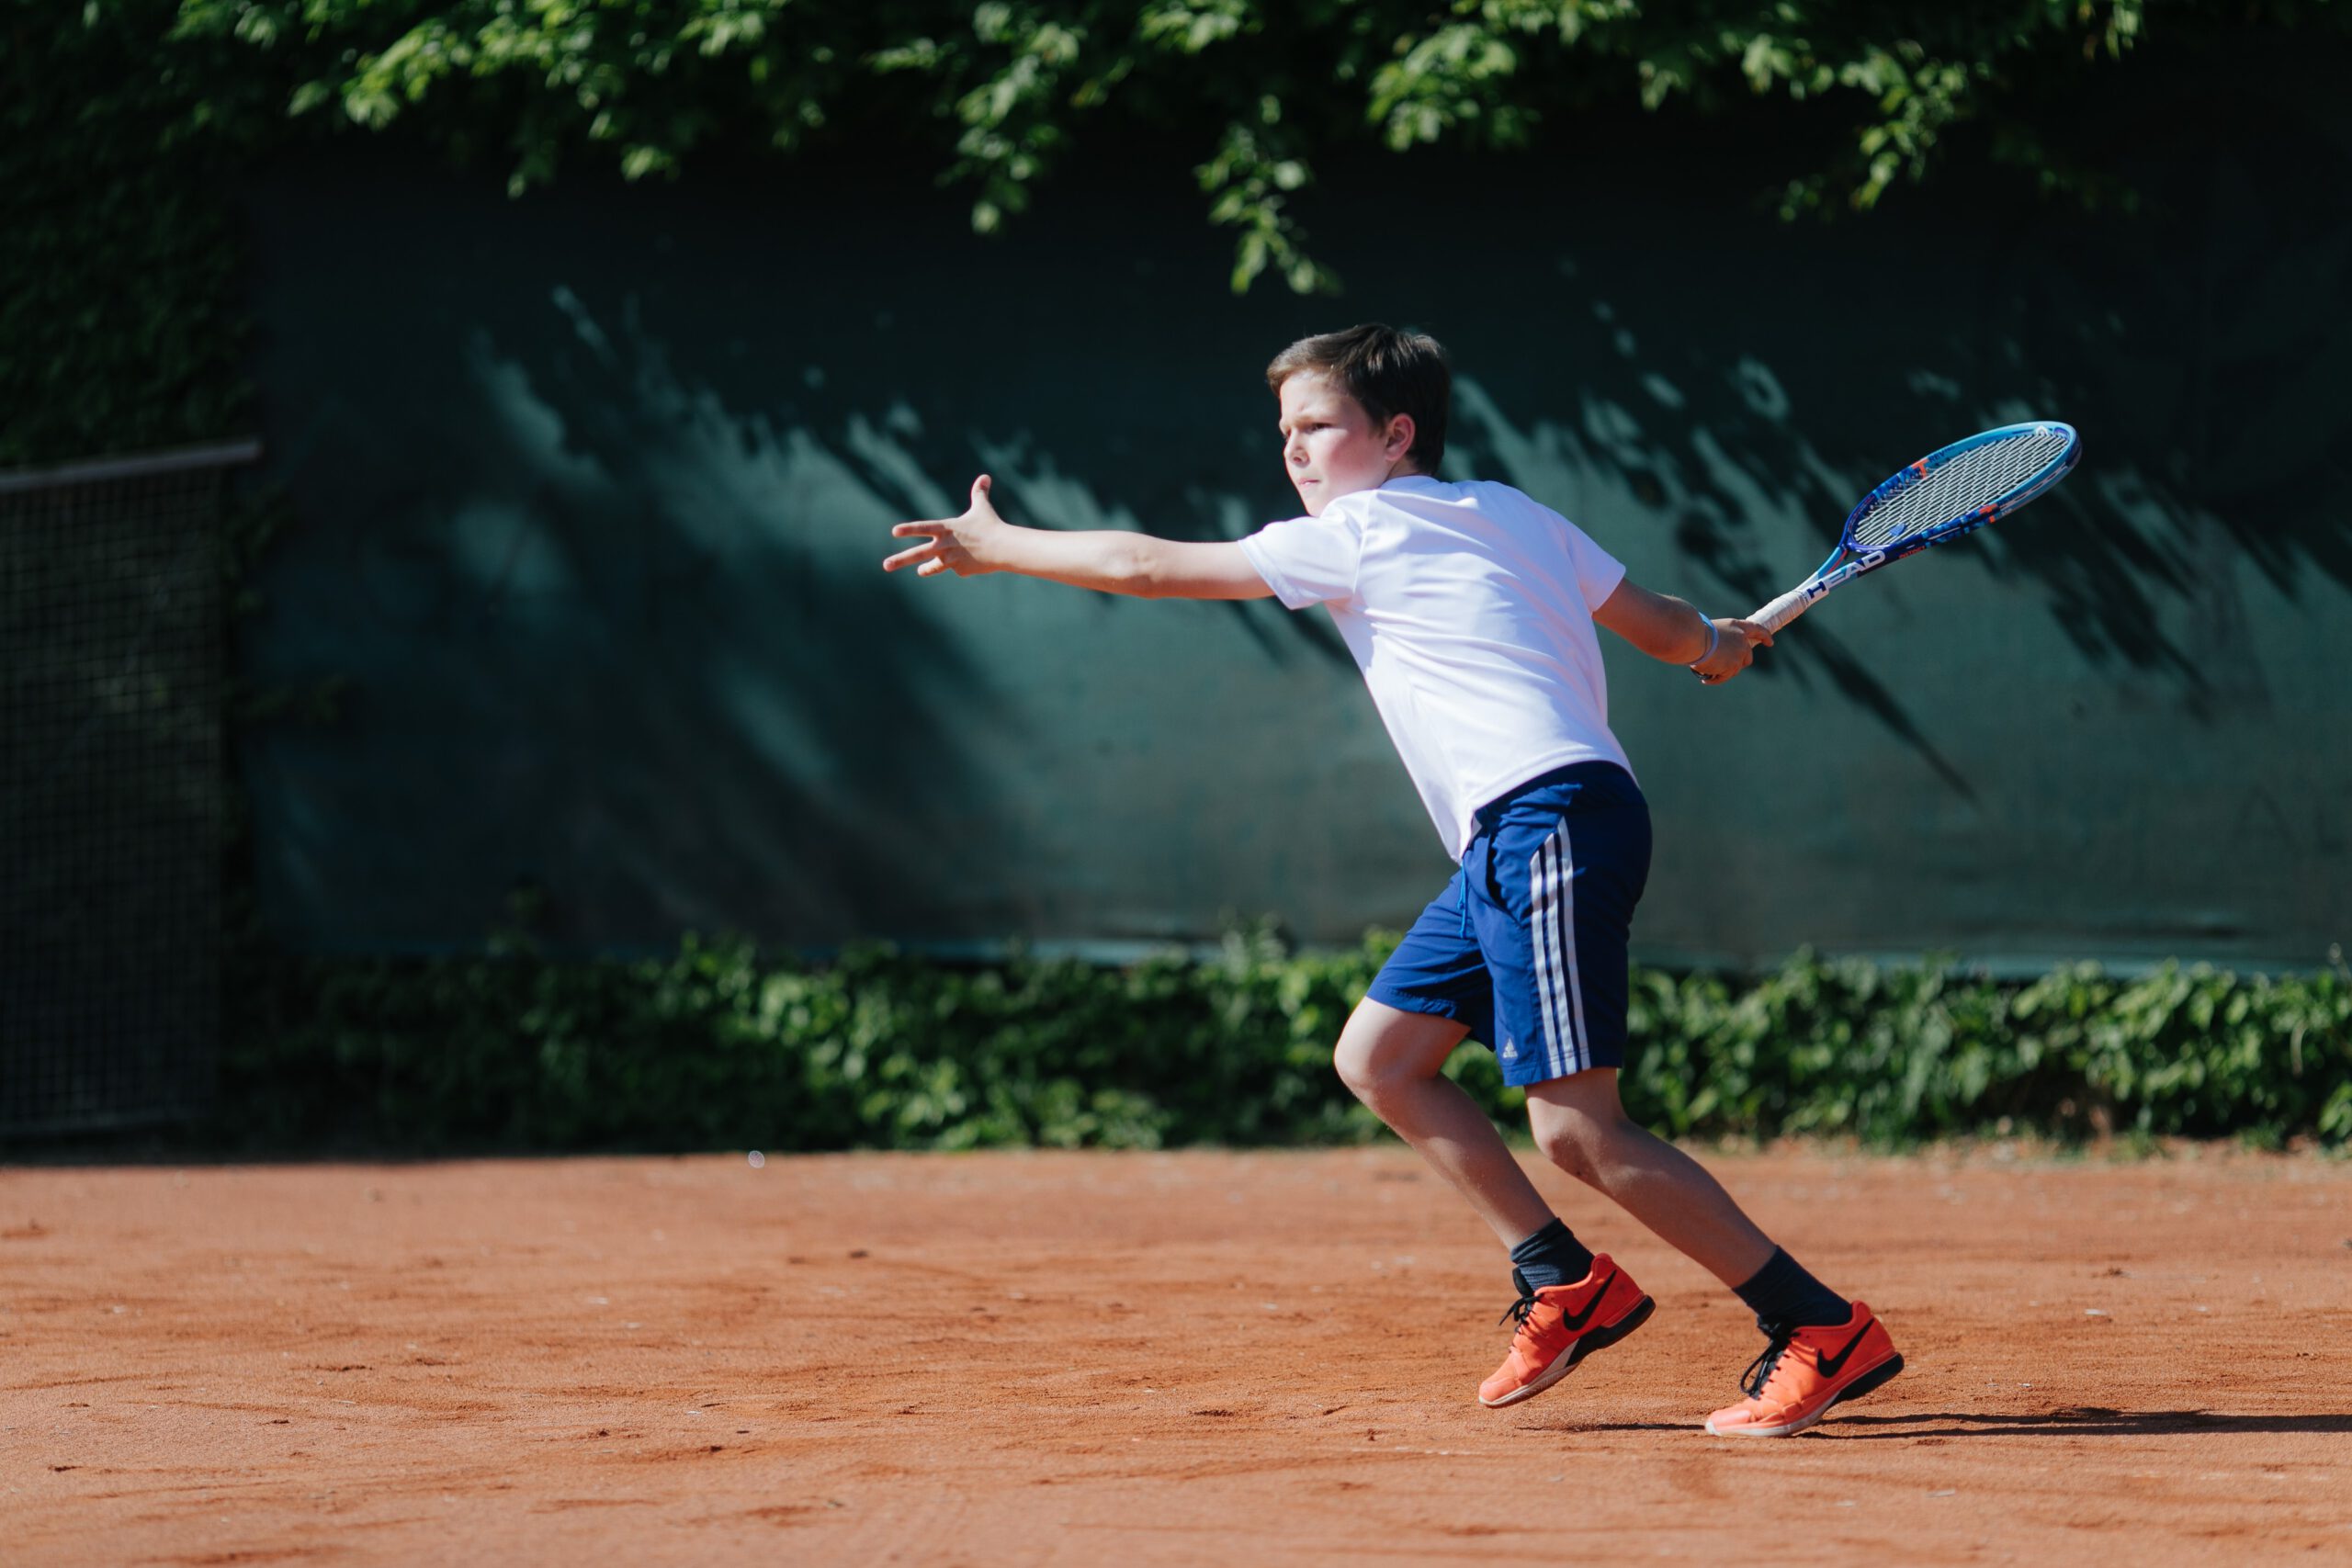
1136 1359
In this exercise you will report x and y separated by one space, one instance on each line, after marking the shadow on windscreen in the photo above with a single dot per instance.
620 484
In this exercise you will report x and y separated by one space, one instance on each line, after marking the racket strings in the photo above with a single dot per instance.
1958 488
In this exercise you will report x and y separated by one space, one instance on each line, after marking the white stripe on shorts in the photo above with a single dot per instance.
1553 871
1568 947
1551 880
1547 976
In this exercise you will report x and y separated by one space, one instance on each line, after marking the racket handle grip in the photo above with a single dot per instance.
1784 609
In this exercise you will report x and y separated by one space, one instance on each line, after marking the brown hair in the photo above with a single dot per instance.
1387 371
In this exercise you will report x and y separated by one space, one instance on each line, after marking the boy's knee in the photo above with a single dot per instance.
1361 1068
1385 1052
1577 1141
1374 1074
1570 1146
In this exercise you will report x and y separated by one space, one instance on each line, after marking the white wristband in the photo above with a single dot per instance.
1714 638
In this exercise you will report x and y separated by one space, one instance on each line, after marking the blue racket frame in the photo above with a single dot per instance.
1870 558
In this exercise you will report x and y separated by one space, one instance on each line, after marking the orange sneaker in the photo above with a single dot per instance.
1805 1371
1560 1325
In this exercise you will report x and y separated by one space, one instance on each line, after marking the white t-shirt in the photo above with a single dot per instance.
1469 609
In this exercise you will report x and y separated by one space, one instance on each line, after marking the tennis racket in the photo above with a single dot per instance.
1940 498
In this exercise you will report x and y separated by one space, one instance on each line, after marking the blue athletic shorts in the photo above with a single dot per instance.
1526 945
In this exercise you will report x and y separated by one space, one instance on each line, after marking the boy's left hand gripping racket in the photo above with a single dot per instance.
1935 500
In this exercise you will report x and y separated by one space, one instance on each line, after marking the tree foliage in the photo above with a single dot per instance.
1263 90
126 121
117 249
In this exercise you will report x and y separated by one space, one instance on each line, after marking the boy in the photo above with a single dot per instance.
1470 609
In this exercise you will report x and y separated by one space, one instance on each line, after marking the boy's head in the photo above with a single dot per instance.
1359 408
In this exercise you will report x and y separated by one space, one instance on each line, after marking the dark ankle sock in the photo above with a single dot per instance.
1782 1295
1553 1256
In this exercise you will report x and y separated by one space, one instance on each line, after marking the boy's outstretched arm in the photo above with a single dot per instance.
1673 630
1108 559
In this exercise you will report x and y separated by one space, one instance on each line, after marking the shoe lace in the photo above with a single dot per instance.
1759 1370
1517 1312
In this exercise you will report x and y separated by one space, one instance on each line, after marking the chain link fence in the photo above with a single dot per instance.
112 790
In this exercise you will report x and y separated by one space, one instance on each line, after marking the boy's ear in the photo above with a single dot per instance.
1397 439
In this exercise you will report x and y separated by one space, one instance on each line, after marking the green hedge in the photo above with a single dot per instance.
715 1047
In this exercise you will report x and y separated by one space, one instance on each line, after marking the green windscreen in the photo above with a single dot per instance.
593 488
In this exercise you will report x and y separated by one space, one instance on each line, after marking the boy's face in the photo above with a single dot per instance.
1331 448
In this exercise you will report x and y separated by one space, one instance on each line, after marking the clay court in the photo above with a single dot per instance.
1180 1358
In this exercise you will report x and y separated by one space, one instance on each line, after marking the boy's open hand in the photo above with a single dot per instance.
961 544
1735 650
